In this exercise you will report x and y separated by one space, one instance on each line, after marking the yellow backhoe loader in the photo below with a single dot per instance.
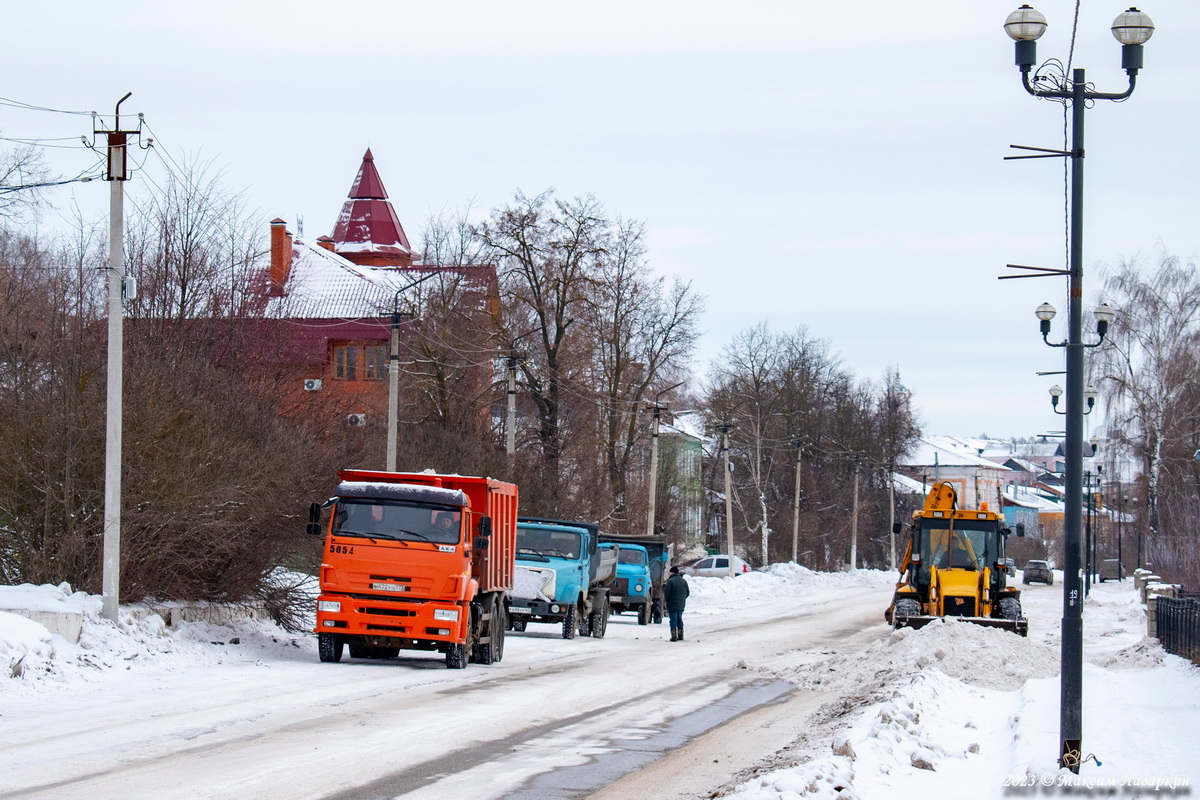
954 568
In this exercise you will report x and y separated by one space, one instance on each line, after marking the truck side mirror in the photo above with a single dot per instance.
314 520
485 526
1020 530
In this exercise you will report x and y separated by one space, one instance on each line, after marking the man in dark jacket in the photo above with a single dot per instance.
675 593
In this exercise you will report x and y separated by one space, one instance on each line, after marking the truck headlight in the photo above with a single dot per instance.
334 606
638 588
449 614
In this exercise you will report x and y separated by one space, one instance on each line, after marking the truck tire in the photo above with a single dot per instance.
644 614
656 612
585 623
329 647
490 652
1010 608
570 623
358 650
456 656
519 624
599 618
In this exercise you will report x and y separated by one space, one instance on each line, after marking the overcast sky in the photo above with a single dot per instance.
830 165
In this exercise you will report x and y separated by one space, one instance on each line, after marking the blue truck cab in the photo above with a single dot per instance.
562 576
641 573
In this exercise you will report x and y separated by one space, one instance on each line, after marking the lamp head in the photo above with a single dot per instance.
1104 314
1132 29
1045 312
1055 393
1027 24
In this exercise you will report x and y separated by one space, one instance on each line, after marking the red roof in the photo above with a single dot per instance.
368 225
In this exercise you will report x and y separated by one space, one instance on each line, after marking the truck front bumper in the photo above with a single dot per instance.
358 615
536 609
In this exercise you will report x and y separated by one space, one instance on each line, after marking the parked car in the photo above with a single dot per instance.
1038 571
716 567
1010 567
1111 570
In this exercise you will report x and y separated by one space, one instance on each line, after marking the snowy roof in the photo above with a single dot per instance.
946 451
323 285
906 485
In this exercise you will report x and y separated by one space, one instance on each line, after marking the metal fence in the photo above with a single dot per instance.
1177 623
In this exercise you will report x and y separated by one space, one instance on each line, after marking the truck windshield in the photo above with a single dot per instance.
382 519
539 542
964 546
631 556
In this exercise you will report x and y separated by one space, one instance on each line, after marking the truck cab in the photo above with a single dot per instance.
632 589
562 577
415 561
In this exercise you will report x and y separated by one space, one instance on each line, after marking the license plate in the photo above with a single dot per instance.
517 610
389 587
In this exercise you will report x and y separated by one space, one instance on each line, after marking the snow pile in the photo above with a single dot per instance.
954 648
781 580
35 659
930 711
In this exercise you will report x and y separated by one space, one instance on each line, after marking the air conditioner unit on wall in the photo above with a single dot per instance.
312 385
356 420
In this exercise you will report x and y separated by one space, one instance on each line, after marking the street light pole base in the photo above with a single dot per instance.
1069 754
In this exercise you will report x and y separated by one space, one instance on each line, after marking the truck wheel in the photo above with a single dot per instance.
329 647
585 621
570 623
456 656
519 624
599 618
1010 608
358 650
656 614
489 652
644 614
501 626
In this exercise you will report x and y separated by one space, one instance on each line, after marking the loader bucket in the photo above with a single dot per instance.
1017 626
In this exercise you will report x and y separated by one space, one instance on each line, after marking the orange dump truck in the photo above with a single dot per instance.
415 561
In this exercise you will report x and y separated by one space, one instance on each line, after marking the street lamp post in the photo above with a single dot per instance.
394 375
1132 29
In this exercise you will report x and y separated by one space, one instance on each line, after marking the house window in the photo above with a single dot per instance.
377 363
345 363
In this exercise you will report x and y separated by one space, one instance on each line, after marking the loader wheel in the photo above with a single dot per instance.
570 623
329 647
1010 608
906 607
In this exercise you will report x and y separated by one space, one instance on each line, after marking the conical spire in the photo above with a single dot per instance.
368 185
368 231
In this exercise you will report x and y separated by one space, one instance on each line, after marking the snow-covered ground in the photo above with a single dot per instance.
951 710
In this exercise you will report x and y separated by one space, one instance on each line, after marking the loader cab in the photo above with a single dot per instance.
961 540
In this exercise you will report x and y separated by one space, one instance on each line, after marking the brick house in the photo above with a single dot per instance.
330 301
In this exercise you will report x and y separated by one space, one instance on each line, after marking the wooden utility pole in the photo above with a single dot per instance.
796 505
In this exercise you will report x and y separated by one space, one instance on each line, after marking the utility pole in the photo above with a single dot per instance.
657 409
117 173
394 373
854 522
725 428
796 505
891 479
510 428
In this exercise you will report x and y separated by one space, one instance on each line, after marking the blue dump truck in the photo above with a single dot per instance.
562 576
641 572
